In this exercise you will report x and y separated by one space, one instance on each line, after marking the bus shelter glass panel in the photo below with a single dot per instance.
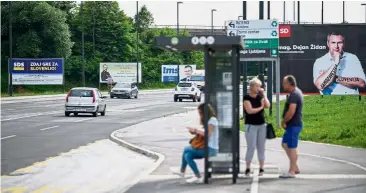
221 98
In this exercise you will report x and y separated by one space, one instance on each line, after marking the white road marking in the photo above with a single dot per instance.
255 183
319 176
8 137
30 115
49 128
81 120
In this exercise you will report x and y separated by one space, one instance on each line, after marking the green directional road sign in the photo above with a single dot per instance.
260 43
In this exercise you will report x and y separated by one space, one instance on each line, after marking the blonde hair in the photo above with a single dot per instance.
255 81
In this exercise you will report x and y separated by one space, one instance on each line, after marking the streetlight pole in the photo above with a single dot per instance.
10 77
212 23
364 4
137 42
82 43
179 2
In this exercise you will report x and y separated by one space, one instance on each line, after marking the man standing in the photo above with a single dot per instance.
338 72
292 123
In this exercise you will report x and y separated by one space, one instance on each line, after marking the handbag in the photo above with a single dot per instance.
197 142
270 131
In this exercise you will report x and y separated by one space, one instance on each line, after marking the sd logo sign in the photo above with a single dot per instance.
285 31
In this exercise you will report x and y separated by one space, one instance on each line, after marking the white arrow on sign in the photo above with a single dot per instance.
232 32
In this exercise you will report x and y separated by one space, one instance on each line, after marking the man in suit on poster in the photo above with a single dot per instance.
338 72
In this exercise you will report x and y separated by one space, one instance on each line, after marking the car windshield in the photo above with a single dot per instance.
185 84
122 85
81 93
197 78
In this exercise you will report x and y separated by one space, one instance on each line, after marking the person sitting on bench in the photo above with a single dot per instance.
196 149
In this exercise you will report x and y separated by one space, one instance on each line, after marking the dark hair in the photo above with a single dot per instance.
211 111
291 79
335 34
188 66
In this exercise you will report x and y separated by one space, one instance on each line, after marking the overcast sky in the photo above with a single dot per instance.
199 12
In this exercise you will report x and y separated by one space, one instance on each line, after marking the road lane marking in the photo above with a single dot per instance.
8 137
81 120
30 115
49 128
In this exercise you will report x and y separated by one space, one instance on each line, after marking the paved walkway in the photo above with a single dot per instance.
324 168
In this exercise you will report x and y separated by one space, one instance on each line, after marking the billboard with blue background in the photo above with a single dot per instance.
37 71
169 73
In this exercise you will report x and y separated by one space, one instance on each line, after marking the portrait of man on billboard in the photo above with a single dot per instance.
188 70
338 72
105 74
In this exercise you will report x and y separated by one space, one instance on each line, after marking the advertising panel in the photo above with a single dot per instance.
325 59
169 73
37 71
119 72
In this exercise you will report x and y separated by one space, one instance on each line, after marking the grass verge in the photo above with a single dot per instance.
337 120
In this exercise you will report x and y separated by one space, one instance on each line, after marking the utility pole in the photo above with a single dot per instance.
10 74
179 2
82 42
212 22
261 64
137 41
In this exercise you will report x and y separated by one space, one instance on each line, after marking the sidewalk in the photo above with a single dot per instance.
168 136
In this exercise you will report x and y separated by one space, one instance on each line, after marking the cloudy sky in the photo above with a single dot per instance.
199 12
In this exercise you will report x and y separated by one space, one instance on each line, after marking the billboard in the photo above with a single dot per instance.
325 59
169 73
119 72
37 71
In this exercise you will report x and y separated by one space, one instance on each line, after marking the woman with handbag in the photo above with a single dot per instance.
255 126
197 144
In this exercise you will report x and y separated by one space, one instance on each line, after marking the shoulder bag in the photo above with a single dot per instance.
271 134
197 142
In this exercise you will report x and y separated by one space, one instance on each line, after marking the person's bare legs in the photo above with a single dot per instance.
292 155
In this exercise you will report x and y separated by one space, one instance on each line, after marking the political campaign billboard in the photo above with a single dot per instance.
169 73
325 59
119 72
37 71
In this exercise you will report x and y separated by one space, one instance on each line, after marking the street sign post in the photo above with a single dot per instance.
261 37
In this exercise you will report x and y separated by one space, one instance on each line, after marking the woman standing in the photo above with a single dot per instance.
190 153
255 127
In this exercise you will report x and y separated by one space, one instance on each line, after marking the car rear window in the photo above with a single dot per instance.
197 78
81 93
185 84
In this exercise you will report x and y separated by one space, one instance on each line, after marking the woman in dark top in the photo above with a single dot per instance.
255 126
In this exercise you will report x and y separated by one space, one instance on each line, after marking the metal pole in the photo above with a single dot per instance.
294 11
364 4
261 64
94 28
82 42
268 10
298 12
278 92
10 74
343 8
179 2
205 112
284 11
212 22
322 12
137 41
244 10
270 68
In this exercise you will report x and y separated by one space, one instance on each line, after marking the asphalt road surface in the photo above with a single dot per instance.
32 132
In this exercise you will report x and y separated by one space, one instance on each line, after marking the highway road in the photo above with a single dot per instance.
38 130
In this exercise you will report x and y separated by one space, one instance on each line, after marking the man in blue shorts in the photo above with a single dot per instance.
292 123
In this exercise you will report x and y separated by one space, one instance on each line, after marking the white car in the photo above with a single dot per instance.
187 90
128 90
85 100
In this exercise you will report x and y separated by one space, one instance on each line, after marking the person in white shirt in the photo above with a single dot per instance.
338 72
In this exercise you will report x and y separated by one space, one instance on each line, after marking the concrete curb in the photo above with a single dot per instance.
158 157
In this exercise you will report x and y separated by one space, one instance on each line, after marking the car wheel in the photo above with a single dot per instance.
76 114
199 98
95 114
136 95
195 98
180 100
103 113
112 96
67 114
129 96
175 99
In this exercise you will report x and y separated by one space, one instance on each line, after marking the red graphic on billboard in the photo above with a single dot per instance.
285 31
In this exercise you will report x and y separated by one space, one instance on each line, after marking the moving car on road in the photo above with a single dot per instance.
199 79
187 90
85 100
128 90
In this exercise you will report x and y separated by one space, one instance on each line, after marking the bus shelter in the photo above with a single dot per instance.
222 77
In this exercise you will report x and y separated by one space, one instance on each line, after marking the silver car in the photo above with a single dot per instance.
127 90
85 100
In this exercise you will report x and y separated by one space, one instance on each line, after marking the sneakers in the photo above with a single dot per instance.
261 171
247 172
195 180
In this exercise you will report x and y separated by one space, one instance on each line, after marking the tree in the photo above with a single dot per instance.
145 19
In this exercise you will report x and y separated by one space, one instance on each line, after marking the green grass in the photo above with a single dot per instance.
332 119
